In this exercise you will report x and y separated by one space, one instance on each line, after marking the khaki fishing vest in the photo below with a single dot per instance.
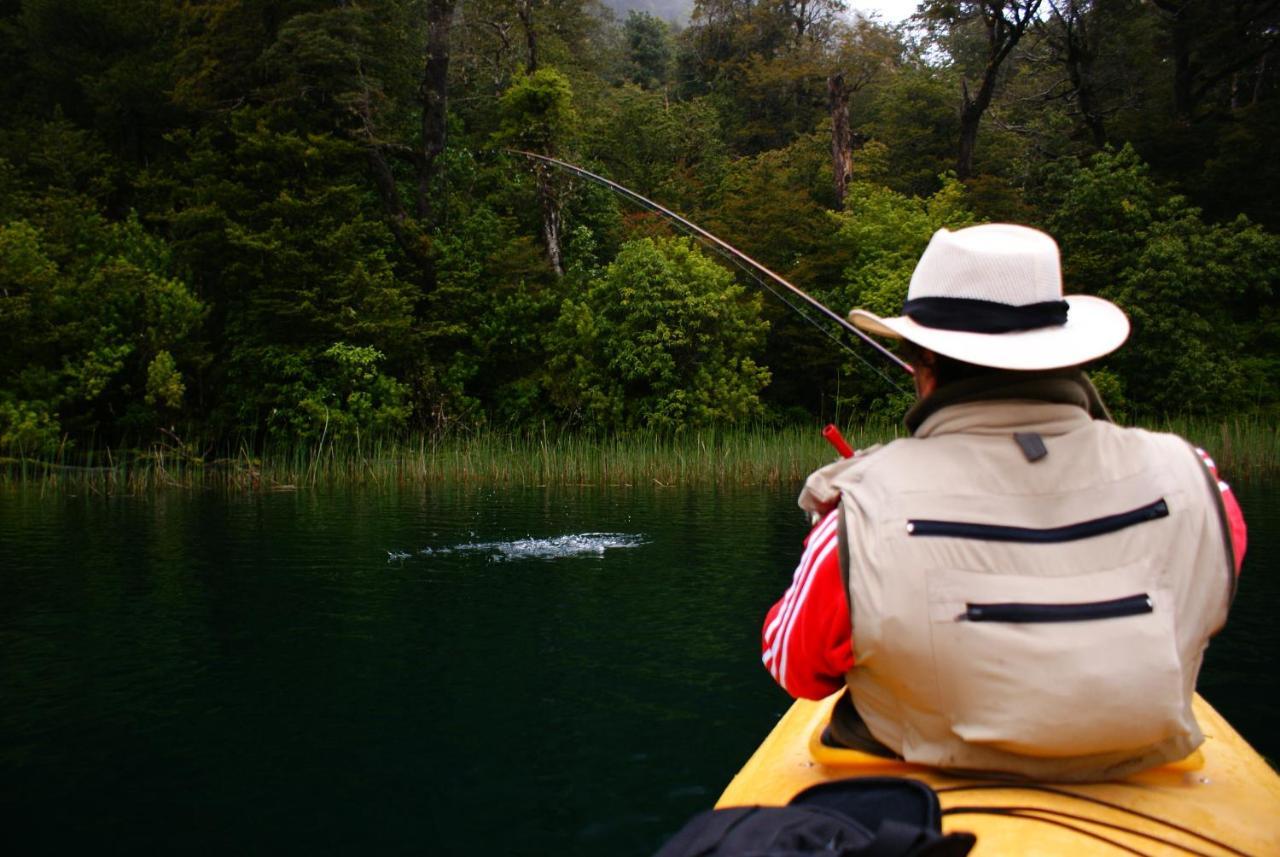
1032 614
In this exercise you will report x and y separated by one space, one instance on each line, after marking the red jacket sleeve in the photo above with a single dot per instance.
1235 518
807 639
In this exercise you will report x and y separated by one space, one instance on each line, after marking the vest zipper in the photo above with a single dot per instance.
1014 611
1068 533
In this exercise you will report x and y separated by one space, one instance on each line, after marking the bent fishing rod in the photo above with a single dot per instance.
748 265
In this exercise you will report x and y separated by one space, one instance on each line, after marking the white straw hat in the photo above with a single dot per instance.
992 295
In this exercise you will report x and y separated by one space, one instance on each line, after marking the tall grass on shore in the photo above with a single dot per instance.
742 456
1245 448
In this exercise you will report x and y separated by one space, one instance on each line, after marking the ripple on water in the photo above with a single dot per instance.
556 547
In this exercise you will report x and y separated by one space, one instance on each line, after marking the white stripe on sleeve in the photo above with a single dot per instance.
824 532
785 642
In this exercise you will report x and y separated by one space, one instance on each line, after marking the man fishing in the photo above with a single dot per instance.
1021 587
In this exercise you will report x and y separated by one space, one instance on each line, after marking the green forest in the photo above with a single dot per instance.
239 220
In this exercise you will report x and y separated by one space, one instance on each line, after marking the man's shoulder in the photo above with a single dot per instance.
1164 441
823 486
859 463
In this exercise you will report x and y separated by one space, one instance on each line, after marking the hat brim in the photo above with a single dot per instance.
1094 327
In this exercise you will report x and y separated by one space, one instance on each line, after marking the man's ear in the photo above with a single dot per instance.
924 364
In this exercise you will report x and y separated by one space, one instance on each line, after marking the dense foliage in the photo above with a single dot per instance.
241 219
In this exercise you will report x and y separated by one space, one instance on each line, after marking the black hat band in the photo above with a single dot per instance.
978 316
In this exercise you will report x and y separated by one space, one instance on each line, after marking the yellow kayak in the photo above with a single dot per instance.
1222 800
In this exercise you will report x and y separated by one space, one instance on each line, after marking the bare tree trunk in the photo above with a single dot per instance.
1078 50
551 233
549 199
841 137
1090 113
971 113
1179 17
411 233
1003 34
433 93
1212 42
971 110
524 11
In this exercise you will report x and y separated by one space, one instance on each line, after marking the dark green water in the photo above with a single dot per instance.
199 674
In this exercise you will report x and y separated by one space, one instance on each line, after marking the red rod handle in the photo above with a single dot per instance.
833 436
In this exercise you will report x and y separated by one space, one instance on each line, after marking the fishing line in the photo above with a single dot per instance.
764 284
742 266
744 262
1100 802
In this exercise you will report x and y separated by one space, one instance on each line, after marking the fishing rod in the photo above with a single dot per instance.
748 265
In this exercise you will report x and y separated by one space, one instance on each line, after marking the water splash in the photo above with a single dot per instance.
556 547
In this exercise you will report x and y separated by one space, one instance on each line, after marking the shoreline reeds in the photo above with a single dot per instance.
1245 448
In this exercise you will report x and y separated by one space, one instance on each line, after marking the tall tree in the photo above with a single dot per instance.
838 92
859 53
1212 42
809 19
384 141
538 116
912 124
661 338
1075 38
1200 296
1004 23
498 39
524 12
106 65
648 49
434 94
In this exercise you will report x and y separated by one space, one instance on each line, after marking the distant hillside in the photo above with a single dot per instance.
668 10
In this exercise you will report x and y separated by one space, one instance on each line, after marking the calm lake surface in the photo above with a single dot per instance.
429 671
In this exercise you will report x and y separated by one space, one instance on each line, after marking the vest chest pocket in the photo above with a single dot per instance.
1026 665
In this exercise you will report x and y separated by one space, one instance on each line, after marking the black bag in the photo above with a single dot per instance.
836 818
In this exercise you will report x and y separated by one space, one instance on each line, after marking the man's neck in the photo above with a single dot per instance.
1065 386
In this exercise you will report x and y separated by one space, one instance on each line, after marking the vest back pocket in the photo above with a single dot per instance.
1023 664
1019 611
